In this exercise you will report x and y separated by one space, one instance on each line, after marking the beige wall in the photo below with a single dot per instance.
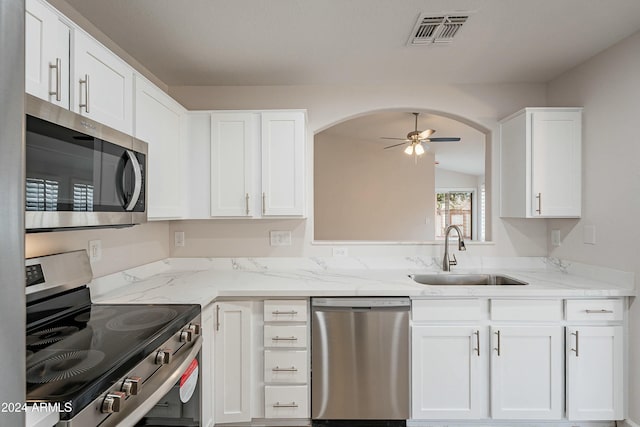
362 192
608 88
481 105
122 248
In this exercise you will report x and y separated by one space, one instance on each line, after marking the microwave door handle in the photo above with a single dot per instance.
137 173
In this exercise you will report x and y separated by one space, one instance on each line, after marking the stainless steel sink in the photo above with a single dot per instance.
465 279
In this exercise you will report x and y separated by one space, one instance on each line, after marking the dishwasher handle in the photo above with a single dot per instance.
360 304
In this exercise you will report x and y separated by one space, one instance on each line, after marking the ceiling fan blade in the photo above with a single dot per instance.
394 145
442 139
426 133
397 139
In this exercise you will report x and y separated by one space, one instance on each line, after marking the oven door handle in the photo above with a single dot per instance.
137 186
157 387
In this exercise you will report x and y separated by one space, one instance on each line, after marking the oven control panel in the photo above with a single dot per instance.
34 274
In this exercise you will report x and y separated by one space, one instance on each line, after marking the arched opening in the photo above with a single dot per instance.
369 188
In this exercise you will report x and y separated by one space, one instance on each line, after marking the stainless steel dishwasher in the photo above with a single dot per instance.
360 361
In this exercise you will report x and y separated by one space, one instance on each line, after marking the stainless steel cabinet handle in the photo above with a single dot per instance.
285 405
292 313
603 311
217 317
246 202
277 338
577 349
498 347
477 349
539 197
264 203
85 82
58 67
291 369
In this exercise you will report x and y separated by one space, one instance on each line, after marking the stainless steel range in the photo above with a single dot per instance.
106 365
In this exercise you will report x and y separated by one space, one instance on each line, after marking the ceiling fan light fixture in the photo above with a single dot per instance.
409 149
419 149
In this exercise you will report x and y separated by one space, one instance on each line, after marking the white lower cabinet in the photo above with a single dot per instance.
232 361
206 367
527 372
595 359
447 372
286 401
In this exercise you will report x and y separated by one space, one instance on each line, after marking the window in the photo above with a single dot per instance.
42 194
454 208
83 197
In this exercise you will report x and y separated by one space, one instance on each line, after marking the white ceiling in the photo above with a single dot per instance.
284 42
466 156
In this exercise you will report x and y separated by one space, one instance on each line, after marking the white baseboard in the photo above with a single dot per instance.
629 423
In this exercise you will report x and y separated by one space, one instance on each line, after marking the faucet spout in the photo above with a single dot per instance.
446 262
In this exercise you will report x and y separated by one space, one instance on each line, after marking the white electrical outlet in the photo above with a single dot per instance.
340 251
280 238
95 250
178 239
589 234
555 237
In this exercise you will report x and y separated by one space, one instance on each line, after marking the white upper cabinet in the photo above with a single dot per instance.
257 164
541 163
233 150
47 41
103 84
160 121
283 136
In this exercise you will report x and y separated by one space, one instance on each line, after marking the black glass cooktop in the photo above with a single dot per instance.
77 356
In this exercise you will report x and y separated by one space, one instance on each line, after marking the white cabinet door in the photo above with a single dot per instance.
46 54
232 362
447 372
103 84
556 164
206 366
283 145
541 163
527 372
159 121
595 373
234 146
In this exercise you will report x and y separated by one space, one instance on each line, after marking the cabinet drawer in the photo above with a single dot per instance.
285 366
595 309
443 309
285 336
286 402
285 311
523 309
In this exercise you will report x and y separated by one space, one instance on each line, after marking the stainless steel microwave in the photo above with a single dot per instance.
80 173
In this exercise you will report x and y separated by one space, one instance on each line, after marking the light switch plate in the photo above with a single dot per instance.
280 238
589 234
555 237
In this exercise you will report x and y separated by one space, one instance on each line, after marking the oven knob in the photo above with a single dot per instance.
112 402
131 386
194 328
186 336
163 357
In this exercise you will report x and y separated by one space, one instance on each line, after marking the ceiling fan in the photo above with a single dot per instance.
416 137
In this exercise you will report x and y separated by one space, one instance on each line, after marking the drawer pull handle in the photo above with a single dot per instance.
285 405
291 369
603 311
277 338
282 313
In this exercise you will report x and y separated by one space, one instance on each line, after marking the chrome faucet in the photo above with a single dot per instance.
446 263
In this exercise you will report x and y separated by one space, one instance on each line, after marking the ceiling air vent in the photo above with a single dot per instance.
436 29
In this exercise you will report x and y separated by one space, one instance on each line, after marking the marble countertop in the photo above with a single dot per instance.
203 280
